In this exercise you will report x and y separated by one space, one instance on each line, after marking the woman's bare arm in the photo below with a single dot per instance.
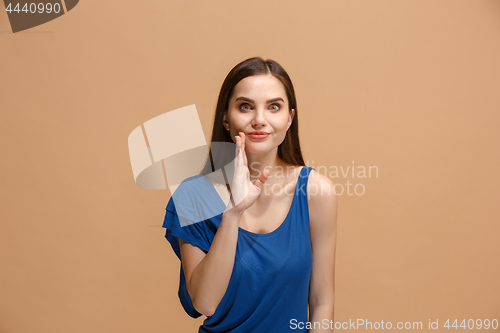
323 229
208 274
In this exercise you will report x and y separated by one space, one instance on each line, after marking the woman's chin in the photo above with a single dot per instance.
256 151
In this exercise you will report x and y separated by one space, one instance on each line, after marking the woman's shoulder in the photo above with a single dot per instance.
194 200
322 202
185 189
320 188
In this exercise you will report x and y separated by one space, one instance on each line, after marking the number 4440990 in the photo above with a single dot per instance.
35 8
473 324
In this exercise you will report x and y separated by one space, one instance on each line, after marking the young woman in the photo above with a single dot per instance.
269 257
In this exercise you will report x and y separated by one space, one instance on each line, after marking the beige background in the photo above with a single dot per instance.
411 87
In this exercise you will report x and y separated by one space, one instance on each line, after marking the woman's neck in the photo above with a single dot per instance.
271 161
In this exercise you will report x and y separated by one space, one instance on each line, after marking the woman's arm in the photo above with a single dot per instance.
207 275
323 229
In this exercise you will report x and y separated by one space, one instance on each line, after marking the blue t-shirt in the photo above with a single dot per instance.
269 285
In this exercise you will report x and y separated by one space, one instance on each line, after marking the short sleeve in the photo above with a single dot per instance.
200 234
194 233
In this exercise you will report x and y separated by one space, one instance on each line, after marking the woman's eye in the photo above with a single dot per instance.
245 107
275 107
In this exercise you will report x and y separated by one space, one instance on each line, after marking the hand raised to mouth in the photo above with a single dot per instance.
244 193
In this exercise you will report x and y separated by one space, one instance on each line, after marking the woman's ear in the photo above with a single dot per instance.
291 114
225 122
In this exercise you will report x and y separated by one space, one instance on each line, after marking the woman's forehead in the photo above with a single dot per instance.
259 87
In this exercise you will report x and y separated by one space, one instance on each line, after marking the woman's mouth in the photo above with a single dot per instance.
258 135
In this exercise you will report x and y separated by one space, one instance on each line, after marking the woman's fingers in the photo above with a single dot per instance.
237 150
264 175
244 192
242 136
239 160
243 145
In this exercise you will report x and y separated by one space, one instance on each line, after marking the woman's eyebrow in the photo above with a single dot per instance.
269 101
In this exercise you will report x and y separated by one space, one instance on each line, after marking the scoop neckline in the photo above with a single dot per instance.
282 223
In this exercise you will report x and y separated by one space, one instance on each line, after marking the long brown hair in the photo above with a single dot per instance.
289 150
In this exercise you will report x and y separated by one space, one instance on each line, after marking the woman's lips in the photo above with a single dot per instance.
258 135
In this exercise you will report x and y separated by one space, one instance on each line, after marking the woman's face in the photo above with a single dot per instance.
258 107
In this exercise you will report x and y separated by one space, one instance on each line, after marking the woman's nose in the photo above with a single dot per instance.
259 118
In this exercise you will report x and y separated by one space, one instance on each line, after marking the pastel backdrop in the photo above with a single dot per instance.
410 87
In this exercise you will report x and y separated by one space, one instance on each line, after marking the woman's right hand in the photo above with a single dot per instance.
244 193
